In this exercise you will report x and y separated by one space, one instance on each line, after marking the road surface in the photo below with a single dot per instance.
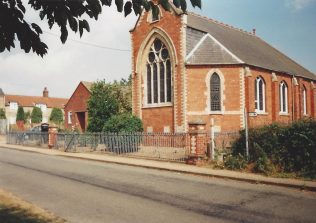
88 191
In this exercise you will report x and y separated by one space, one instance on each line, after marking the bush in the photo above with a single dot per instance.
36 115
20 116
56 116
123 123
299 147
235 162
2 114
291 148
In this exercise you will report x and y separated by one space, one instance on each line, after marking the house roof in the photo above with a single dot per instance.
31 101
87 84
228 45
1 92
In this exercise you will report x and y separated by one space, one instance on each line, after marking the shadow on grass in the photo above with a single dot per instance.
16 215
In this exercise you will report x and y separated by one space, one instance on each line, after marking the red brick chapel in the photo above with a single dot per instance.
187 67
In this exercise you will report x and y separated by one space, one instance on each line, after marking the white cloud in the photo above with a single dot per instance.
299 4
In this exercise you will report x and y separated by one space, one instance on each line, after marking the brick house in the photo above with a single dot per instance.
186 68
76 112
44 102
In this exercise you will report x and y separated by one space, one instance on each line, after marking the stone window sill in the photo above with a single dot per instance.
157 105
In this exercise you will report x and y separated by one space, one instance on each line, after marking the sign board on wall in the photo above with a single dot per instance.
252 114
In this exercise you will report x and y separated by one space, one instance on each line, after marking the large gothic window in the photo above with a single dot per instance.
158 74
260 95
215 92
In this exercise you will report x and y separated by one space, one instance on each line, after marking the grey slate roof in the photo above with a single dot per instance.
208 51
249 48
1 92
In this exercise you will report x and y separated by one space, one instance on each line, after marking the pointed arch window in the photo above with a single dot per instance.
260 95
159 81
283 97
304 95
215 94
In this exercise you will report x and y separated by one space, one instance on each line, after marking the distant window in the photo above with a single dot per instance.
69 117
14 105
260 95
215 96
304 95
283 97
43 107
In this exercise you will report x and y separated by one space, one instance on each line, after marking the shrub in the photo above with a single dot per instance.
56 116
2 114
235 162
299 147
290 148
123 123
36 115
20 116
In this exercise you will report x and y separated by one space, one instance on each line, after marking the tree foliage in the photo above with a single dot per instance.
122 91
102 104
56 116
36 115
123 123
67 15
20 115
2 114
27 117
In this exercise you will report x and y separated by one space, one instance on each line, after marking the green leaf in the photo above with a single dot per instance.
36 28
146 5
154 10
64 34
183 5
165 4
86 25
127 8
196 3
137 6
176 3
119 5
106 2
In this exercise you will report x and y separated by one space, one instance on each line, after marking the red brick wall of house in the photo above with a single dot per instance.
198 78
171 24
295 100
77 103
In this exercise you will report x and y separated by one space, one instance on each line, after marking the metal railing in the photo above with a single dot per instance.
161 146
28 138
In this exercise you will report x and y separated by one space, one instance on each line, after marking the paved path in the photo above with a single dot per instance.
88 191
177 167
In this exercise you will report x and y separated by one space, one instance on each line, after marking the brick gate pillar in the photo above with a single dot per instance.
198 142
52 136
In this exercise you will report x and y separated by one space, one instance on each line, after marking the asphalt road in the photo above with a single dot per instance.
87 191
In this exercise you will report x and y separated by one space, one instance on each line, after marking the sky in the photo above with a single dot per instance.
288 25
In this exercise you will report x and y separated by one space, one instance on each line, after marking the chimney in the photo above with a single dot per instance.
45 93
254 32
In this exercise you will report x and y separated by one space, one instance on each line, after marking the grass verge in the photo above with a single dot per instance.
14 210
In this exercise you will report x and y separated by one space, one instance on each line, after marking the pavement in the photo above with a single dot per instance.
175 167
